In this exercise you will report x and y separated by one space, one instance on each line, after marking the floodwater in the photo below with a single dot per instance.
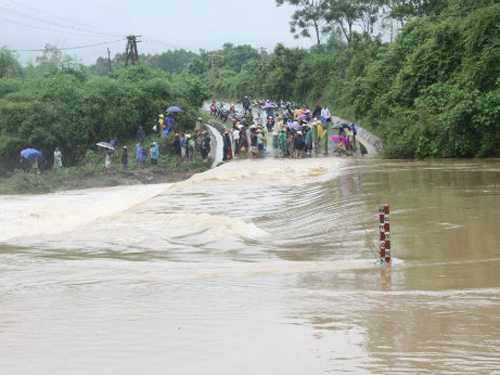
258 267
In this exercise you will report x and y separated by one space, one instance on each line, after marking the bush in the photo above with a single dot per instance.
72 110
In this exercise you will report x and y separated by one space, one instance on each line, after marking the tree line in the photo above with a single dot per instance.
58 102
346 17
431 92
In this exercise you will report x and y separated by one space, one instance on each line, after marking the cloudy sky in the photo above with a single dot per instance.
164 24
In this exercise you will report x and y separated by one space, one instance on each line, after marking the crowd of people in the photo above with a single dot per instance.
283 128
186 146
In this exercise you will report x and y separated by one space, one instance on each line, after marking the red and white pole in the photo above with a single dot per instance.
385 234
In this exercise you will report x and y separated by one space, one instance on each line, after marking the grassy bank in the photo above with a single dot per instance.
92 174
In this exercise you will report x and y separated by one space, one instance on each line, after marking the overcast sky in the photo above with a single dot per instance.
164 24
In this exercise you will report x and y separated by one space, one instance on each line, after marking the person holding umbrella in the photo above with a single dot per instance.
108 148
31 156
170 120
167 127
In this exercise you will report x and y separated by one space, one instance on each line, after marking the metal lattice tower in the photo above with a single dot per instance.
132 53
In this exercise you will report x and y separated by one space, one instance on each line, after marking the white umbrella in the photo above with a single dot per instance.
105 145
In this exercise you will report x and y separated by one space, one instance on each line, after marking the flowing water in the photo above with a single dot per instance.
258 267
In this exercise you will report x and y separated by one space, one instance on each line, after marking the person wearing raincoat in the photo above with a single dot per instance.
161 124
169 126
308 138
321 140
316 132
139 155
154 153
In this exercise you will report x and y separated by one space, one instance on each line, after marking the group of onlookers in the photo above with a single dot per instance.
293 131
185 146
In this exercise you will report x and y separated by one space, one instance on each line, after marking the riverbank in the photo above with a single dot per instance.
90 173
85 177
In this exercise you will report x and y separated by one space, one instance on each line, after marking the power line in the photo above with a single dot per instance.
77 47
51 22
38 27
166 44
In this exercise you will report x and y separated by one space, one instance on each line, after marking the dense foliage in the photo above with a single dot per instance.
60 103
432 92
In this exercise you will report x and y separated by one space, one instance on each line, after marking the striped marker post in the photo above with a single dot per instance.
385 234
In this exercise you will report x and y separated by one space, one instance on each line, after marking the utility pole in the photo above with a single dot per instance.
110 66
132 53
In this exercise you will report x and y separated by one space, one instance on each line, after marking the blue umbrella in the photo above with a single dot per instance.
174 109
31 154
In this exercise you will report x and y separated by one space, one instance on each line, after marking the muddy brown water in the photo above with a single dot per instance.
258 267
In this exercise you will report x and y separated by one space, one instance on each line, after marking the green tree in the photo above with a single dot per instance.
309 15
283 68
343 14
403 9
171 61
370 13
9 66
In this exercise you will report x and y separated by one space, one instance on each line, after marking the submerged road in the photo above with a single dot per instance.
373 144
257 267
